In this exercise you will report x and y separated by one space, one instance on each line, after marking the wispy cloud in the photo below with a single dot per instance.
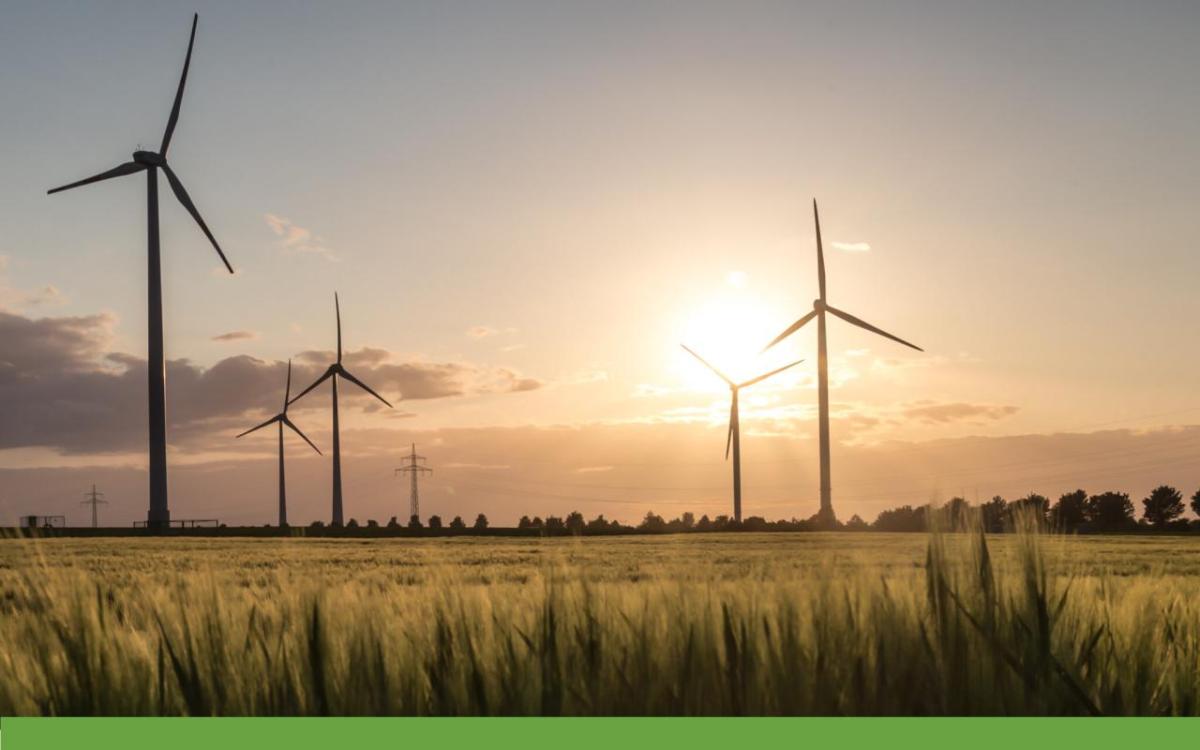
593 469
13 298
235 336
483 332
852 247
297 239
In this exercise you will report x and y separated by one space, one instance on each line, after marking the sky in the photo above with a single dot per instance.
527 207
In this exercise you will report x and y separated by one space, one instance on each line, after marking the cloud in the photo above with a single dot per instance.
62 388
852 247
235 336
593 469
297 239
18 299
931 412
480 332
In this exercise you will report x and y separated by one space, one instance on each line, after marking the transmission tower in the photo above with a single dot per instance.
414 468
93 499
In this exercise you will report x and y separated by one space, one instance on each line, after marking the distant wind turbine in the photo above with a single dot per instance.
734 438
820 307
335 371
150 162
282 419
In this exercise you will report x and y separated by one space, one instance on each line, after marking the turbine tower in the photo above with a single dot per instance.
820 308
414 469
282 419
151 162
335 371
734 438
93 499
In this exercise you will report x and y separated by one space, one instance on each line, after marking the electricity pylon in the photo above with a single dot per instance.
414 468
93 499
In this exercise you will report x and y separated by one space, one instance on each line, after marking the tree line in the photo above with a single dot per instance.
1073 512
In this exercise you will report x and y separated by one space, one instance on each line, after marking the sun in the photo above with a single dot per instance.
729 330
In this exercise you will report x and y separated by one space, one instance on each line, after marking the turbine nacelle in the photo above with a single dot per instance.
150 158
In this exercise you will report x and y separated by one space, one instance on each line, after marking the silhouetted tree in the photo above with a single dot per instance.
1110 511
856 524
554 525
393 523
993 513
481 522
352 524
904 518
1070 512
704 524
687 520
953 515
537 522
652 523
597 525
372 523
457 523
435 522
414 522
1163 506
317 525
754 523
1033 506
575 523
1196 503
524 523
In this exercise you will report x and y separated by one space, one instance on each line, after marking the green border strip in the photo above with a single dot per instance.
598 733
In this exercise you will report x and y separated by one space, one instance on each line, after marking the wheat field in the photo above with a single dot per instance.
718 624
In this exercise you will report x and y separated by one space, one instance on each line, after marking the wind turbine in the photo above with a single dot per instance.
820 308
151 162
734 438
282 419
335 371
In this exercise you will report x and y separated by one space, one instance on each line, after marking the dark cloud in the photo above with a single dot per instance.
60 388
235 336
945 413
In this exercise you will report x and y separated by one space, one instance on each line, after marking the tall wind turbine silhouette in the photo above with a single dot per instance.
820 308
336 371
282 419
734 438
150 162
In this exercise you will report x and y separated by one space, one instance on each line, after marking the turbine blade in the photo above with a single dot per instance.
792 329
121 170
328 374
364 386
761 378
338 310
729 435
272 420
183 197
287 391
296 430
174 118
706 364
865 325
820 252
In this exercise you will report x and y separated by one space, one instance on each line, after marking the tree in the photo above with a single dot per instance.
1110 511
688 520
372 523
652 523
856 524
317 525
1163 506
393 524
554 524
1070 512
353 524
536 523
754 523
904 518
953 514
575 523
435 522
1196 503
597 525
704 524
414 522
994 512
1033 507
481 522
524 523
457 523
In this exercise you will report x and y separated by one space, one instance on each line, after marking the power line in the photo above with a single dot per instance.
94 501
414 469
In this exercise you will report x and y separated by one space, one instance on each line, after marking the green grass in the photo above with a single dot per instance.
829 624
